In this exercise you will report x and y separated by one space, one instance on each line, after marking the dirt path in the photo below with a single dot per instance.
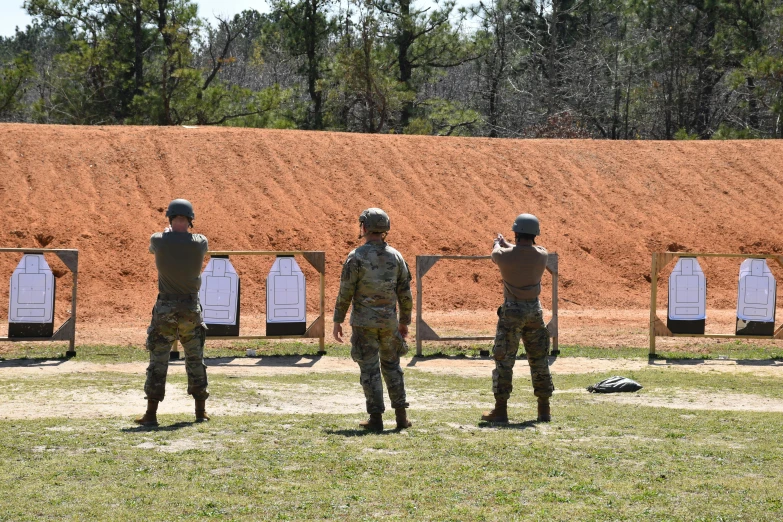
278 398
465 367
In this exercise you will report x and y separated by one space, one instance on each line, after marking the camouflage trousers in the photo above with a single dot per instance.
525 320
378 351
172 320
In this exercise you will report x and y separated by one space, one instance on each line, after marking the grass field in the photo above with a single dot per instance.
602 458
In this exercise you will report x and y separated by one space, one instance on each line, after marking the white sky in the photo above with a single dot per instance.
12 15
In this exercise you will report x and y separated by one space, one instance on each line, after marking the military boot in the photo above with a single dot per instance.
544 415
201 412
374 423
402 418
499 414
150 418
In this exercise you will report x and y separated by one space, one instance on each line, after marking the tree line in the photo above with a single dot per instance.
610 69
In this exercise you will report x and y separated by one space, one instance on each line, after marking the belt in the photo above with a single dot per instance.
178 297
509 301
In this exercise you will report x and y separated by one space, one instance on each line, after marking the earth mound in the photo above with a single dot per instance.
604 207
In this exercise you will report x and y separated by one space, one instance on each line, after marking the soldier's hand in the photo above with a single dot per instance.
403 329
167 229
338 332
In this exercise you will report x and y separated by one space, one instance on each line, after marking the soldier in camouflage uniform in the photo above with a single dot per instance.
374 278
179 256
520 316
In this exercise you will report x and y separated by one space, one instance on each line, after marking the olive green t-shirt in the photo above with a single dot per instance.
179 257
521 268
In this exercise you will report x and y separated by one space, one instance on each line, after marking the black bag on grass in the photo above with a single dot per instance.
614 385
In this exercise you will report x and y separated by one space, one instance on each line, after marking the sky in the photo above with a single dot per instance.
12 15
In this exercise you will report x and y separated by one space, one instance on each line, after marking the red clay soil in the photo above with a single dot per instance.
604 206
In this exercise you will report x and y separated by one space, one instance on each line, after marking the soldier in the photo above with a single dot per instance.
374 278
520 316
179 256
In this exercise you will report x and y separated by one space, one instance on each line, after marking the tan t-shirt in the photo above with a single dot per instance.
521 268
179 256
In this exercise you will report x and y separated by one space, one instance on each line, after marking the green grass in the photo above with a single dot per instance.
735 350
598 460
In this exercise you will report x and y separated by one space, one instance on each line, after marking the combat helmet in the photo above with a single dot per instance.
526 224
375 220
180 207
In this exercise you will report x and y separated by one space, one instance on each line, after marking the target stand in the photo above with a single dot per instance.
425 333
31 307
316 329
752 286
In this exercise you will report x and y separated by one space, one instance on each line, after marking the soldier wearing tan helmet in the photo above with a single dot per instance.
521 267
374 279
179 256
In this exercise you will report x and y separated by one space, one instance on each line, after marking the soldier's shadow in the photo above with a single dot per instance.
171 427
359 432
509 426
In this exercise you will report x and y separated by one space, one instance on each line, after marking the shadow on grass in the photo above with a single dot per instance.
171 427
659 361
300 361
32 362
461 356
509 425
360 432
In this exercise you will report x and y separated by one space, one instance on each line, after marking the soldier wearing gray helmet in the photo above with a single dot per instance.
521 267
179 256
374 279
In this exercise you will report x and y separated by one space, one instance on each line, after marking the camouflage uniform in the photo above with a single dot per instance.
374 278
521 319
177 312
172 320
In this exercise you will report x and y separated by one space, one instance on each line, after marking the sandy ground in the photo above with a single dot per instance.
607 328
309 399
604 206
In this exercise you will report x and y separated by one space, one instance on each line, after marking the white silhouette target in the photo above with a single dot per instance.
687 291
32 291
757 292
285 292
219 294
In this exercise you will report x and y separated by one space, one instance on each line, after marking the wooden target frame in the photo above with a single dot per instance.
423 331
659 329
67 330
316 329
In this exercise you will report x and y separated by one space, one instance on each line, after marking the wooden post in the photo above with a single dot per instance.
418 309
321 340
555 348
72 341
653 301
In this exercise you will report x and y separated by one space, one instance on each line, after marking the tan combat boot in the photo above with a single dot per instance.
402 418
499 414
201 412
544 415
150 418
374 423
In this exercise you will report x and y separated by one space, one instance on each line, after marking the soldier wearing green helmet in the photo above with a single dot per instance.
374 279
520 317
179 256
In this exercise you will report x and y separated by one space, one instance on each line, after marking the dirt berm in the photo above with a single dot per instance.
604 206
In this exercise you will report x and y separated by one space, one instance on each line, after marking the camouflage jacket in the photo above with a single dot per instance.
374 278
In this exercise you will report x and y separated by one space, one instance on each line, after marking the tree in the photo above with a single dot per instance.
307 30
14 76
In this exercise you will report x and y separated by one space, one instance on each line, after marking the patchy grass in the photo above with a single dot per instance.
598 460
735 350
